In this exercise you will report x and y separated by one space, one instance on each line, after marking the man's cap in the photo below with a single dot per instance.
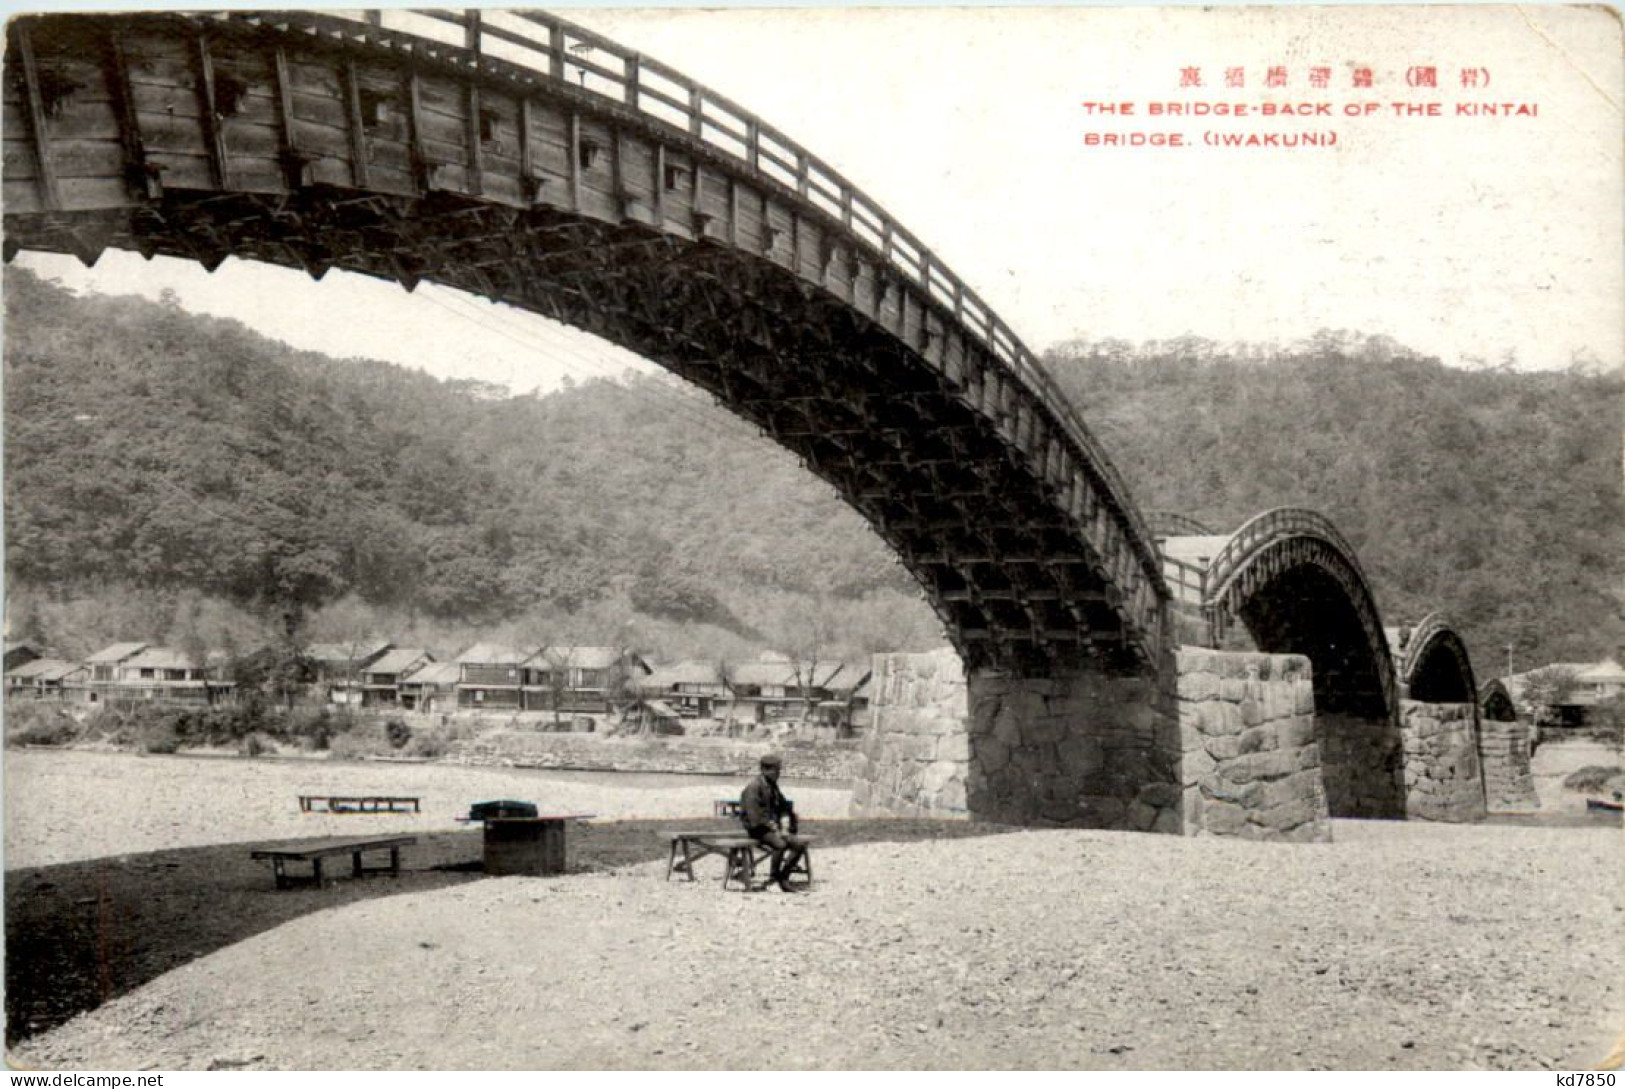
772 760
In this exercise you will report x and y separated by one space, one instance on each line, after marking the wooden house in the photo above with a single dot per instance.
166 675
777 689
44 679
489 677
691 687
580 679
380 679
430 687
20 654
101 673
339 667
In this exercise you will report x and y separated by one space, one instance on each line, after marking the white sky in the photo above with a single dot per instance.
1456 236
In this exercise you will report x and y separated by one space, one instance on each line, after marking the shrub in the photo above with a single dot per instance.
1591 778
161 743
256 745
398 733
313 728
431 745
39 726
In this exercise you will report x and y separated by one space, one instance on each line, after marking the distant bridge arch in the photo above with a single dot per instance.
1293 582
1431 662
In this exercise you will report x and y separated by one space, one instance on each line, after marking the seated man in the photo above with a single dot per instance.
762 808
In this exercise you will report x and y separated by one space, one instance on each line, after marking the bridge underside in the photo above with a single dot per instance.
1001 563
742 264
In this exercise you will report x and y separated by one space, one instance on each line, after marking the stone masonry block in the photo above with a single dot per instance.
1188 660
1190 809
1168 823
954 746
1223 819
1257 739
1198 686
1198 767
1161 795
1259 765
1295 731
1141 816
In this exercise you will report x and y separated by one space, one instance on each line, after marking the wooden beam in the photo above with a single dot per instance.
358 134
575 159
422 168
143 177
213 123
50 195
476 154
295 164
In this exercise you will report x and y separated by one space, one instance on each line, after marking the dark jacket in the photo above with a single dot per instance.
762 806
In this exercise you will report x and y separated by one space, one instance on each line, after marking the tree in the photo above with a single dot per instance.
1545 689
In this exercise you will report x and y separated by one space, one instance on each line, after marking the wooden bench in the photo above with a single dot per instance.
314 851
743 855
359 803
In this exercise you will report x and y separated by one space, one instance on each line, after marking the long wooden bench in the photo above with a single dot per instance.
314 851
743 855
358 803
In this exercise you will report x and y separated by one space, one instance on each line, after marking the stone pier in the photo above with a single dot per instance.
916 753
1443 777
1085 750
1251 762
1505 750
1364 761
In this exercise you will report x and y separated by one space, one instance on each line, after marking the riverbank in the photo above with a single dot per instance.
66 805
1397 946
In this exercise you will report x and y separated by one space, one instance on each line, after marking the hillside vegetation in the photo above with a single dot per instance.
180 478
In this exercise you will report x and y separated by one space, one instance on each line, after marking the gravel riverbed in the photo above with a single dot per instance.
62 806
1399 945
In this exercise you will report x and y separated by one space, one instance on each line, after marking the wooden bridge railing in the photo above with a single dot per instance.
1271 525
545 47
1187 581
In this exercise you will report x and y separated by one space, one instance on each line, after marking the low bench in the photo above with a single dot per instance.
358 803
314 851
743 854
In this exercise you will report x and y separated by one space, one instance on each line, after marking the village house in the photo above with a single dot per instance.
489 677
1595 684
43 679
19 654
431 687
846 707
166 675
101 672
579 679
779 689
339 666
691 688
380 679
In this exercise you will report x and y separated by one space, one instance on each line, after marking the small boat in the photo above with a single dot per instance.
1597 803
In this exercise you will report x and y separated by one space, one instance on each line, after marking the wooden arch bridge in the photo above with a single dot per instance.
523 158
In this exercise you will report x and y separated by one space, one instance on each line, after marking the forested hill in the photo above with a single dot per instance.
1491 494
150 448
